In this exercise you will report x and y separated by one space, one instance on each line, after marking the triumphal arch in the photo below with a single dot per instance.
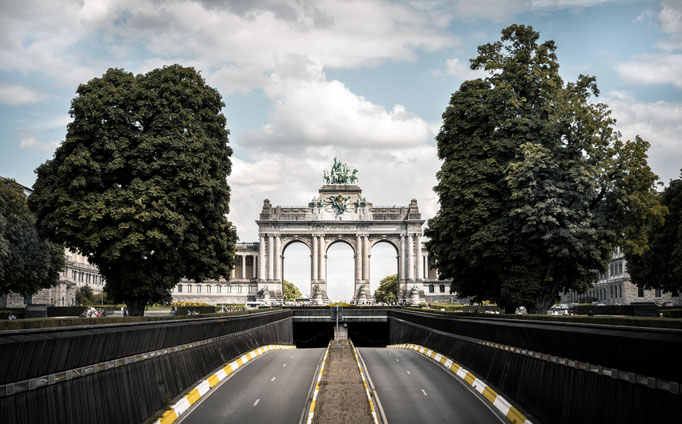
338 213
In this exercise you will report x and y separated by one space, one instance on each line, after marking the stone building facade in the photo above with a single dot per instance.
338 214
615 288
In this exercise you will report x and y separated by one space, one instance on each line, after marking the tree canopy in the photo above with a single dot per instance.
291 292
388 289
536 188
28 262
139 184
660 267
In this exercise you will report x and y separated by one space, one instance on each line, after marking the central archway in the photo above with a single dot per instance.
340 274
384 262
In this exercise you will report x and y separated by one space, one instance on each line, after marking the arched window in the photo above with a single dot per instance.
198 288
179 288
208 288
431 288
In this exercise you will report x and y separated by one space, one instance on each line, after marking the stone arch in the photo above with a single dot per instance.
340 239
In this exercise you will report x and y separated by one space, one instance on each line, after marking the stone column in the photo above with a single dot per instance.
232 272
401 259
426 266
313 259
271 257
365 260
410 258
322 262
253 262
261 258
358 259
278 258
420 260
243 273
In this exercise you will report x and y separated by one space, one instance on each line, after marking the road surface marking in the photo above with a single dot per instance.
397 360
284 365
424 391
408 371
291 356
273 379
256 402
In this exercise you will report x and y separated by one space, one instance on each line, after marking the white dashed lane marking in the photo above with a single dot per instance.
397 360
273 379
424 391
284 365
408 371
256 402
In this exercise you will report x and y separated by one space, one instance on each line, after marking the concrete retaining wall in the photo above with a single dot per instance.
549 391
134 392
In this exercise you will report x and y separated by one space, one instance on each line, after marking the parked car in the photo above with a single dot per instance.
667 304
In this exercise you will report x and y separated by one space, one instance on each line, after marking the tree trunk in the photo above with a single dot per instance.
548 293
135 307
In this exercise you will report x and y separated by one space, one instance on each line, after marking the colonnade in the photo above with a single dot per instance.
241 258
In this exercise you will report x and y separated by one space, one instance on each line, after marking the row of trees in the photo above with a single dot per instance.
536 190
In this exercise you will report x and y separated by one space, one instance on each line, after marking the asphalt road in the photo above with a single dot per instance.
271 389
412 389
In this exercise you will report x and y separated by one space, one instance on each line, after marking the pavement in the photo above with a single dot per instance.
273 388
413 388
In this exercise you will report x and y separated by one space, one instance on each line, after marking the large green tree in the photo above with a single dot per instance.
28 262
661 265
139 185
536 188
388 289
291 292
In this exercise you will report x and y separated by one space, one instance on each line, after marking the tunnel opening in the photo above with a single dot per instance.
318 334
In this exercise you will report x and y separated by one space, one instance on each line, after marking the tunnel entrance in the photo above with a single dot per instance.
318 334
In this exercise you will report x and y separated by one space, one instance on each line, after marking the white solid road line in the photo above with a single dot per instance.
424 391
256 402
284 365
408 371
273 379
397 360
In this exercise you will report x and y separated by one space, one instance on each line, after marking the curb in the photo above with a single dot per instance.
364 381
512 414
317 385
204 386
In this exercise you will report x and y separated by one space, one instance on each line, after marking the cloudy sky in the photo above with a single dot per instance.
304 81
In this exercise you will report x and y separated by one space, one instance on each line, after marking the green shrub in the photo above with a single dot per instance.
182 310
5 313
65 311
672 313
604 310
68 322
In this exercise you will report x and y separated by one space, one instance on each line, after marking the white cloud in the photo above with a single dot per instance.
18 94
310 110
653 69
460 69
29 141
660 123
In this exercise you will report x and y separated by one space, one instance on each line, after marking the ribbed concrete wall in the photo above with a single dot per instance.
134 392
551 392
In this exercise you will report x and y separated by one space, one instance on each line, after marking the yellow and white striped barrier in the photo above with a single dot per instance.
317 385
512 414
364 381
204 386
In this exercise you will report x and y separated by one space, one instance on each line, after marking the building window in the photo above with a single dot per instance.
250 289
179 288
657 293
198 288
208 288
431 288
189 288
239 289
228 289
442 288
640 292
73 275
218 288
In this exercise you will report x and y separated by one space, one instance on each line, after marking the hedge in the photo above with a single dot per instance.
6 312
75 321
65 311
601 320
672 313
182 310
604 309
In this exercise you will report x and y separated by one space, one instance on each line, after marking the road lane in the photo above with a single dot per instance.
412 388
273 388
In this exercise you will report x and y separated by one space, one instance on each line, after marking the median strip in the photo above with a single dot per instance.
204 386
364 381
512 414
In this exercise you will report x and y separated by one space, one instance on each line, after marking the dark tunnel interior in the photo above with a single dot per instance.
318 334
